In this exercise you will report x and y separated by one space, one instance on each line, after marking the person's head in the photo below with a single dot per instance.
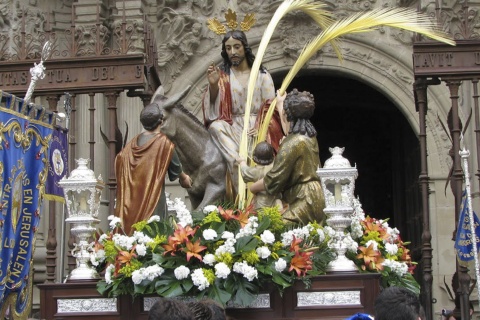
397 303
299 108
151 117
235 49
207 310
263 154
170 309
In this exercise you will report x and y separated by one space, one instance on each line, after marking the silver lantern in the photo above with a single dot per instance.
338 182
82 193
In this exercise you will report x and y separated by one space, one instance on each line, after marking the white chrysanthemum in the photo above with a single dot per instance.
373 243
250 228
109 274
97 257
356 230
227 247
123 241
280 265
138 276
263 252
329 231
209 234
153 272
321 235
243 268
267 237
154 218
103 238
199 279
350 244
399 268
209 209
391 248
287 238
141 249
114 221
209 259
228 235
184 217
181 272
222 270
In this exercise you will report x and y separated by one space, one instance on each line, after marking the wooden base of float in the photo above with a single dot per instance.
332 296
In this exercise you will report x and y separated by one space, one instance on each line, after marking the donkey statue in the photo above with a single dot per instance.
200 157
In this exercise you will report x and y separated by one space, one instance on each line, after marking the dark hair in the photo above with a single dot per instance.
207 310
151 116
240 36
263 153
170 309
397 303
299 107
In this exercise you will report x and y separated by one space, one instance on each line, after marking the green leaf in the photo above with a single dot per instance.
246 293
218 294
282 279
263 225
246 244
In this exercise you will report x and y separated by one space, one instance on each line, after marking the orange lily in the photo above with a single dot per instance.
227 214
181 234
242 217
194 249
301 263
171 246
295 245
124 258
372 258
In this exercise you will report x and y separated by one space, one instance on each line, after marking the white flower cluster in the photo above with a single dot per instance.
280 265
229 245
349 243
400 268
209 209
267 237
263 252
356 228
123 241
96 257
250 228
109 273
149 273
209 234
181 272
199 279
114 221
373 243
248 272
391 248
209 259
299 233
222 270
183 215
393 235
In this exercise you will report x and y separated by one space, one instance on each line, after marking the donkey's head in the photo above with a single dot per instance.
166 105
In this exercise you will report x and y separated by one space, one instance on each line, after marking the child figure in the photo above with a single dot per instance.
263 156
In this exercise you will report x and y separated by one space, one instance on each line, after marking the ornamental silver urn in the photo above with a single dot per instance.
82 194
338 182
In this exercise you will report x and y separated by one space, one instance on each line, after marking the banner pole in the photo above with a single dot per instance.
464 154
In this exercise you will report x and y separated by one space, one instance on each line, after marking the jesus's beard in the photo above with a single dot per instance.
237 61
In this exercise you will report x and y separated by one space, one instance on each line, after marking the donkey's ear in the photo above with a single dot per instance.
173 100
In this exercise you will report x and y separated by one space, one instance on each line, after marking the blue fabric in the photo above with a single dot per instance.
463 239
24 142
360 316
58 165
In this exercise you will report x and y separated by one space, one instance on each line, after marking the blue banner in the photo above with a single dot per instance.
57 165
25 134
464 239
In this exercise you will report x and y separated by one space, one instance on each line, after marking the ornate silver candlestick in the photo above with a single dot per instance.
82 193
338 182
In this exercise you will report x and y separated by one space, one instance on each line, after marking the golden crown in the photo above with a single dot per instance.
232 23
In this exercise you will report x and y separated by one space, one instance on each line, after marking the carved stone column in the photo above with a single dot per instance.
51 245
420 87
112 143
457 183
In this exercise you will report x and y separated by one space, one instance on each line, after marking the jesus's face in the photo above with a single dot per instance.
235 51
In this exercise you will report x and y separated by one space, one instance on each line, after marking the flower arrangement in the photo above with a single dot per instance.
381 249
229 255
221 253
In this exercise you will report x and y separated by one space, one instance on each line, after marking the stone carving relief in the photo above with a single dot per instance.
181 36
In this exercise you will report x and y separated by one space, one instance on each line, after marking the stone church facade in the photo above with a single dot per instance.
184 47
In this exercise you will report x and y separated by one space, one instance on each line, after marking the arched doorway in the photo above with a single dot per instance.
378 139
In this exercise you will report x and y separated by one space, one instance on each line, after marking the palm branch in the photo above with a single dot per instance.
402 18
322 17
